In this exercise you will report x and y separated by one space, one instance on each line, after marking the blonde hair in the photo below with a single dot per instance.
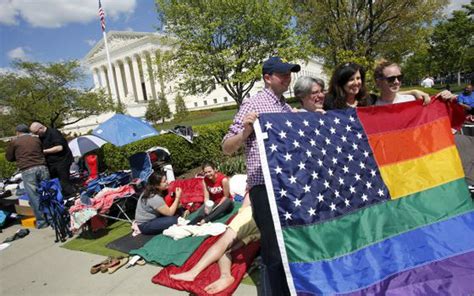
380 65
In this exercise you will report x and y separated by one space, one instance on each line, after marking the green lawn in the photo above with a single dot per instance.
200 118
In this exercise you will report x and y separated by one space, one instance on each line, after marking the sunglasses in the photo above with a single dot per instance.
391 79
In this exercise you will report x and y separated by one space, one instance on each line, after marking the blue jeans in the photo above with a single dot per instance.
157 225
272 275
217 212
32 178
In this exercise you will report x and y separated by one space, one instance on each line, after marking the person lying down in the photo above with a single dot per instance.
242 230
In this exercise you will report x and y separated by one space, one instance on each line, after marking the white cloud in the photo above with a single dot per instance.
129 29
57 13
455 5
8 70
91 42
18 53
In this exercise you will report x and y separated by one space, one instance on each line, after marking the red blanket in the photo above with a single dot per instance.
192 192
241 261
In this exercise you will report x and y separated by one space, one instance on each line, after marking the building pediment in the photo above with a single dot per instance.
117 40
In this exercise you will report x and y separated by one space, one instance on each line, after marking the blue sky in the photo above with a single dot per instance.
56 30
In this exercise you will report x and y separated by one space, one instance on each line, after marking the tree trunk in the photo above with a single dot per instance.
459 78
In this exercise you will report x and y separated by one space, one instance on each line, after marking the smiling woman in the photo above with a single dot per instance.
346 87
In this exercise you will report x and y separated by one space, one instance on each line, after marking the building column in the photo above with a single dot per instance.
118 75
103 78
156 83
96 78
137 78
128 78
112 84
146 76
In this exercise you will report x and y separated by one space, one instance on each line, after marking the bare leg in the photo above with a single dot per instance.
226 278
212 255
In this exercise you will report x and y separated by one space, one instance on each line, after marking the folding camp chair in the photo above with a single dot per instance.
121 205
52 205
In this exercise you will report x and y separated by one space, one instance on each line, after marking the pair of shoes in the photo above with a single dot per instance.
20 233
121 262
111 264
98 267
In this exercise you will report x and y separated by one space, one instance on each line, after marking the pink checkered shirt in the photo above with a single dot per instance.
263 102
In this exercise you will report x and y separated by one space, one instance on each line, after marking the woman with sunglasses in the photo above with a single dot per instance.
346 88
388 78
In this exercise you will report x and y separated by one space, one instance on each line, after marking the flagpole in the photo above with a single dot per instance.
113 90
111 75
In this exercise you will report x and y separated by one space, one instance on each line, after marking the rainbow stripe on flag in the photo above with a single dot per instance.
369 201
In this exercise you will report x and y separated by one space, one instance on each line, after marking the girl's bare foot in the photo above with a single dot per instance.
221 284
185 276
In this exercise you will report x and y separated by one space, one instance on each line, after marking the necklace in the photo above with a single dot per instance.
353 105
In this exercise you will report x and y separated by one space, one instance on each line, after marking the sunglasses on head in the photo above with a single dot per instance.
391 79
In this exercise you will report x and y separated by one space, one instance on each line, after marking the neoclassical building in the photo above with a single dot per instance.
132 79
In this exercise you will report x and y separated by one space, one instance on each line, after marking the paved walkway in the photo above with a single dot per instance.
35 265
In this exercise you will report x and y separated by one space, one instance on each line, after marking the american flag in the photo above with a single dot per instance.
368 201
321 166
102 17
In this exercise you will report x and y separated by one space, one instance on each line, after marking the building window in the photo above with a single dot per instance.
215 101
205 103
225 99
195 104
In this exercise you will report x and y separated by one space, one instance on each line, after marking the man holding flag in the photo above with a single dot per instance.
277 78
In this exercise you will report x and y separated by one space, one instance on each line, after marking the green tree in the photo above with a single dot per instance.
152 112
367 28
164 109
181 110
452 43
225 42
50 93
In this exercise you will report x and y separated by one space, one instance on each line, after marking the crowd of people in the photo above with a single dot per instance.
42 152
347 89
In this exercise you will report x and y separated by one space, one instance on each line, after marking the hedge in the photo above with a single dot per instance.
6 168
206 146
184 155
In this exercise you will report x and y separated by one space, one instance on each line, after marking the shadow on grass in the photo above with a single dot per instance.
96 242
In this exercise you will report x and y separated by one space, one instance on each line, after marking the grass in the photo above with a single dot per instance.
95 243
200 118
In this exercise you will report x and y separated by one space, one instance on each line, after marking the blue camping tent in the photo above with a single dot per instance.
123 129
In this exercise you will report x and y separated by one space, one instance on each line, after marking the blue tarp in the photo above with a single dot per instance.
123 129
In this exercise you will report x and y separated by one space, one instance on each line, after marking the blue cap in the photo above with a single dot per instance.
276 65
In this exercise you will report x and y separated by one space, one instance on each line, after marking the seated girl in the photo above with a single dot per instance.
216 189
152 215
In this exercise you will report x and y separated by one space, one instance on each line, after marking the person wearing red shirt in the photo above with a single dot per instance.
216 189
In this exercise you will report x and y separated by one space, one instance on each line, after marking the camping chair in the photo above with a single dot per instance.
141 167
118 210
121 205
52 205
